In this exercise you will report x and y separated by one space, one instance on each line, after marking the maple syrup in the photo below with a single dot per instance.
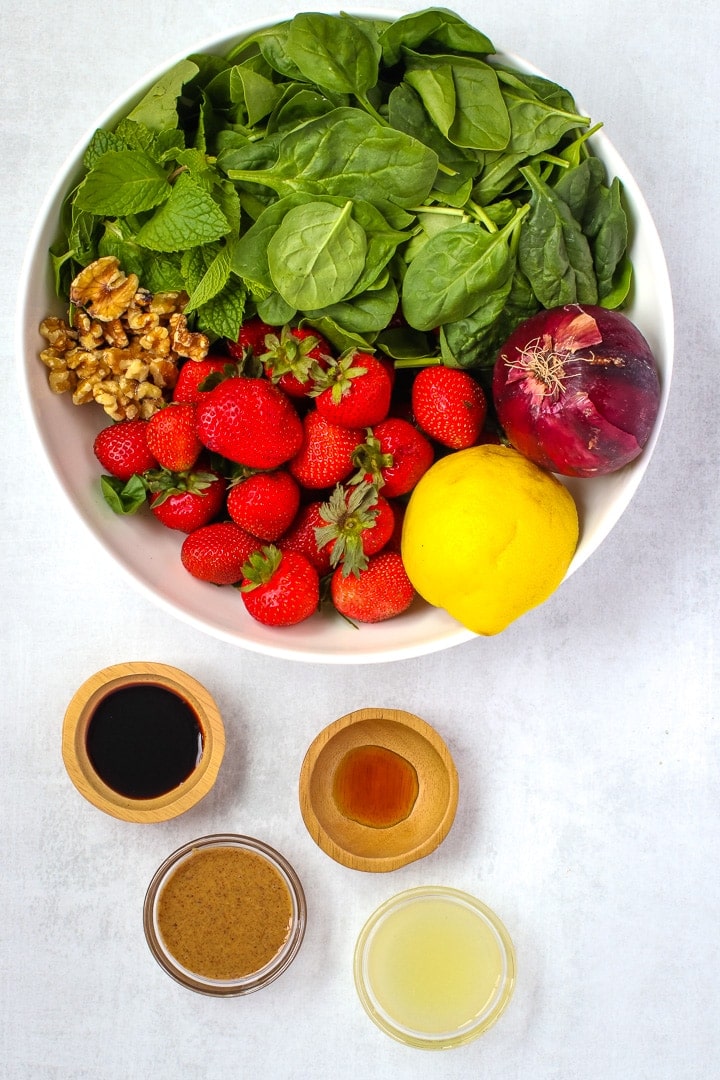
144 740
375 786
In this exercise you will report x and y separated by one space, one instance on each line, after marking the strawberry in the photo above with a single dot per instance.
185 501
291 359
280 588
394 456
449 406
357 523
355 391
265 503
251 422
193 373
172 438
301 537
325 457
381 591
122 449
251 339
218 552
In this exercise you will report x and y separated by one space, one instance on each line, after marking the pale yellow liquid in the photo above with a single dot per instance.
434 966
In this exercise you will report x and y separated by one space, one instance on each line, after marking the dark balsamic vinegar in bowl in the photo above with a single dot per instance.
144 740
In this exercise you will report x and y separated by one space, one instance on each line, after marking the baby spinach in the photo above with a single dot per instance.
347 152
317 254
553 251
333 170
456 271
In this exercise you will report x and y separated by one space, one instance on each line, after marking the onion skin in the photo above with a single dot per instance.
577 390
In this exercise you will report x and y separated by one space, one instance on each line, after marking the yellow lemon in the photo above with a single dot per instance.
488 535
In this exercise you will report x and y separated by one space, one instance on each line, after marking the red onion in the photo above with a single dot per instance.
577 390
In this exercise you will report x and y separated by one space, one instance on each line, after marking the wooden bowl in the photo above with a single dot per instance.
80 768
348 831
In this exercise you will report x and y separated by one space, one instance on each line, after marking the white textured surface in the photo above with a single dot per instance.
585 736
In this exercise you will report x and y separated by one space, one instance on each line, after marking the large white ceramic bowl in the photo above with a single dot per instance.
149 554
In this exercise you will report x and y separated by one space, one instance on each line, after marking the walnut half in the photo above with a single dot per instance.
103 289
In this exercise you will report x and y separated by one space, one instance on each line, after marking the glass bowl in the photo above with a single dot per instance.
434 967
232 908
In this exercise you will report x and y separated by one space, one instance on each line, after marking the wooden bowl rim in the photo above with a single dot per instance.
74 749
315 826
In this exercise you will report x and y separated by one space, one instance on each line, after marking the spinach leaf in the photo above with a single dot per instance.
579 186
553 251
317 254
368 312
536 125
407 113
456 271
334 52
463 98
474 342
347 152
158 107
433 26
606 226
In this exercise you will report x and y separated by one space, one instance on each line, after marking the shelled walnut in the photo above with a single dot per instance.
120 345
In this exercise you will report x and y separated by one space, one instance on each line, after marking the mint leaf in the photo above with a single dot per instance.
123 182
206 271
135 136
158 108
189 217
117 240
163 273
99 144
223 315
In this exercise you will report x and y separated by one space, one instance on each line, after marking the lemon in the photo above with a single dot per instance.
488 535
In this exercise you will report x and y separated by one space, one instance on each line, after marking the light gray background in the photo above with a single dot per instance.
585 735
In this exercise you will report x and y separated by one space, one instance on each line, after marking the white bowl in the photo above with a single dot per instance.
149 554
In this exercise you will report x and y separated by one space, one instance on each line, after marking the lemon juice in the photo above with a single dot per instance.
434 967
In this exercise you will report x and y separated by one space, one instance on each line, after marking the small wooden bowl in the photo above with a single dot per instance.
366 847
80 769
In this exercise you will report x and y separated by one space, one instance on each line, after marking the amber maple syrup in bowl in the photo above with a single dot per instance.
375 786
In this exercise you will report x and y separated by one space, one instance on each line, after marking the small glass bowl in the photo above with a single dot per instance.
434 967
255 980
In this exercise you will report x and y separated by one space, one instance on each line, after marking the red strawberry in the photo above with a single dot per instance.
280 588
291 359
250 339
357 523
193 373
355 391
122 449
218 552
301 537
449 405
380 592
394 456
265 504
325 457
185 501
251 422
172 438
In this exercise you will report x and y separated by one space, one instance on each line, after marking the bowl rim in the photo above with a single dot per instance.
451 633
